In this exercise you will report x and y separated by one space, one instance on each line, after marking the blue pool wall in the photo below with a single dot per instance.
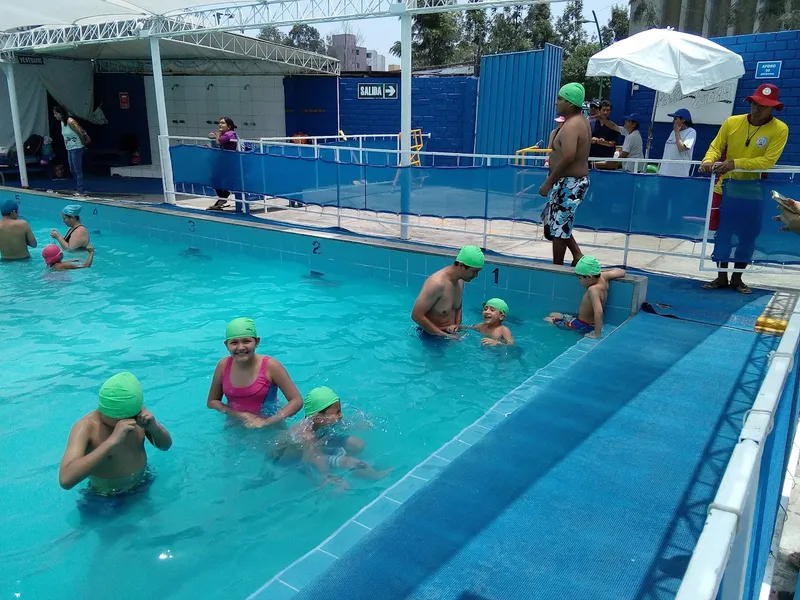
774 467
525 285
779 45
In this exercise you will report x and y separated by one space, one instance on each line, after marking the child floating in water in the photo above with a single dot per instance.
54 257
316 444
250 381
590 315
495 311
107 445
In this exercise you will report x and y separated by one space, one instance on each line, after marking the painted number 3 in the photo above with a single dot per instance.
191 226
496 274
315 248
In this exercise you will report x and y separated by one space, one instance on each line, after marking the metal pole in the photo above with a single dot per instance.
18 141
338 112
599 41
405 121
163 128
486 202
650 128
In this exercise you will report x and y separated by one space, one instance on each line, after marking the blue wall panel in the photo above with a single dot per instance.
310 104
441 106
752 48
516 101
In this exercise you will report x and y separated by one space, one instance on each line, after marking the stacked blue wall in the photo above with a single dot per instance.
517 99
121 122
310 104
441 106
781 45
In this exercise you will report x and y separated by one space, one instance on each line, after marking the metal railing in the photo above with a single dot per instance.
658 243
721 557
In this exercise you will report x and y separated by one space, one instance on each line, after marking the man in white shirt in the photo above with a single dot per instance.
632 146
679 145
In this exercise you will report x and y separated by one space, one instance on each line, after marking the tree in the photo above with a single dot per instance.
513 31
644 11
574 68
617 27
434 39
475 31
569 27
272 34
305 37
539 25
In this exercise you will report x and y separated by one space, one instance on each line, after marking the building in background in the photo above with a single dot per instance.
375 61
394 67
715 18
352 57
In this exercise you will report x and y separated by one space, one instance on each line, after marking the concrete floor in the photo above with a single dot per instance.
512 238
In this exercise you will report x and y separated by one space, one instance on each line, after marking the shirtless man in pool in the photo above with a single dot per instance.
437 310
15 233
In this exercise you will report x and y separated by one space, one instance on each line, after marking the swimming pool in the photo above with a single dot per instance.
220 518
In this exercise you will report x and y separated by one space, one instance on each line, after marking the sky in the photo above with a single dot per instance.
380 34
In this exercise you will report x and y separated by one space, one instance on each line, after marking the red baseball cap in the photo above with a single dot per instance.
766 95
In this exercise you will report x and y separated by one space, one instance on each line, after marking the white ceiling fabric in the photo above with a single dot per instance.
60 12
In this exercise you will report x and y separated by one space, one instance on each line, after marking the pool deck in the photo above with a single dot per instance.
613 467
527 240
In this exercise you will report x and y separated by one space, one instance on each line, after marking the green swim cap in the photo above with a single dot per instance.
472 256
587 265
319 399
241 328
498 304
121 397
573 93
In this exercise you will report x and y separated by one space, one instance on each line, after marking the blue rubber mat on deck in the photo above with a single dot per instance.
686 299
596 489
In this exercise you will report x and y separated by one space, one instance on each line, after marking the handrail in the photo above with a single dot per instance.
777 169
720 556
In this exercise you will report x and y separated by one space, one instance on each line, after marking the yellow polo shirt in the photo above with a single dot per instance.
766 146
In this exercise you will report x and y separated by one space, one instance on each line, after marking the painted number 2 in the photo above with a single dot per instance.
496 274
191 226
315 248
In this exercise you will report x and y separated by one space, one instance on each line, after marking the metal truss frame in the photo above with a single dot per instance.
251 48
234 17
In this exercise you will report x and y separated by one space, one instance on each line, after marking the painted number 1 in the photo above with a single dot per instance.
496 274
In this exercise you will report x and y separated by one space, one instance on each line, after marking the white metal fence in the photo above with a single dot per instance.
622 243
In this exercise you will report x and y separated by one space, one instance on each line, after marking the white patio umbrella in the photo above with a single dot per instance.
666 60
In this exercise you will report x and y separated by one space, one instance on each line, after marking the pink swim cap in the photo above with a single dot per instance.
52 254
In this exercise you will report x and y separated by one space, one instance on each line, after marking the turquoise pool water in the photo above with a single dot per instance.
220 519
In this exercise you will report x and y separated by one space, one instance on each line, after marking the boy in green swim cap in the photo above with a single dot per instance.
313 440
107 445
495 311
590 314
437 310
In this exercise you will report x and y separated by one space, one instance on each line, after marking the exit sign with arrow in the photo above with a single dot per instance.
377 91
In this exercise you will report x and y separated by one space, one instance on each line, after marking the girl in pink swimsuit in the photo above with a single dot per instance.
254 403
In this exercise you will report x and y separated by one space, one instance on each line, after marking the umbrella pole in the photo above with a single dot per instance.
650 130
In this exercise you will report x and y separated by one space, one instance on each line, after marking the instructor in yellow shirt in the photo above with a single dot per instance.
753 141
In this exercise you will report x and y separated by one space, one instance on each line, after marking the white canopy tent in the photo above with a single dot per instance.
53 24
